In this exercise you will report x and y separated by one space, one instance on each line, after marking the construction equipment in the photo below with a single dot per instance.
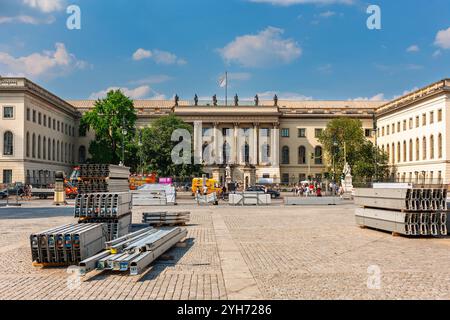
202 184
406 210
67 244
135 251
166 218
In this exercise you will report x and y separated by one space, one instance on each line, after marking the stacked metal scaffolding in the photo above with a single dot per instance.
407 211
166 218
134 252
96 178
113 209
67 244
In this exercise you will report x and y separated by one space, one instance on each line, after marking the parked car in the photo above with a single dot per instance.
3 194
273 193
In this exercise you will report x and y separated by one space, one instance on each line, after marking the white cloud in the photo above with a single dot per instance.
327 14
159 56
262 49
45 5
294 2
268 95
443 39
378 97
27 20
141 54
406 92
413 48
47 63
154 79
437 54
141 92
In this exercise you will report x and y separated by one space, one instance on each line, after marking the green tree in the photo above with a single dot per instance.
114 120
157 146
344 141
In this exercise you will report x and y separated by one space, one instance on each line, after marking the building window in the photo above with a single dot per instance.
318 132
226 150
27 142
399 153
393 128
411 123
285 133
44 148
39 118
54 124
82 154
265 153
8 112
302 133
368 133
424 119
411 151
246 153
393 153
58 151
285 178
33 146
398 127
318 155
265 132
431 117
404 152
34 116
285 155
53 150
8 143
302 155
440 146
439 115
39 147
388 129
417 121
417 149
404 125
49 122
382 132
28 114
432 147
45 120
7 176
424 148
49 151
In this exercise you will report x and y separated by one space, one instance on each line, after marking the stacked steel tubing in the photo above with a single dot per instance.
166 218
135 251
67 244
103 205
412 212
97 178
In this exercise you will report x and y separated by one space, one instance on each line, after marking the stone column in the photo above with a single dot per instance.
254 145
276 145
198 142
236 152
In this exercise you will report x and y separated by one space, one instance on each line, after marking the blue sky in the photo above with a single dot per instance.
300 49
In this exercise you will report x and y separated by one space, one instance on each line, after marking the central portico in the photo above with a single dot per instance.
244 138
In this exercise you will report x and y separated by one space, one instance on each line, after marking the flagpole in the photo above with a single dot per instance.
226 88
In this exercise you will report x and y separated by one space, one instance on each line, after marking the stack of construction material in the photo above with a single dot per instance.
113 209
154 195
249 199
97 178
67 244
135 251
166 218
408 211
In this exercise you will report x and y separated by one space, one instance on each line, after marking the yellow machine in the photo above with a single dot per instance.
211 184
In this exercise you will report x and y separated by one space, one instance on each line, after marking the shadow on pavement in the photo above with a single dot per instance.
8 213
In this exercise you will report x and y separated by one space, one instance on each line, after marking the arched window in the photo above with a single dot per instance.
404 152
285 155
399 153
318 155
393 153
54 150
440 146
33 146
28 144
411 151
246 153
58 151
417 149
432 147
8 143
44 148
39 147
302 155
265 153
424 148
82 154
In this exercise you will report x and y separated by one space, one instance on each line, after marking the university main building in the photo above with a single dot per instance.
39 133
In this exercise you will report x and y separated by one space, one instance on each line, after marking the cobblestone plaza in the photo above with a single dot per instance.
274 252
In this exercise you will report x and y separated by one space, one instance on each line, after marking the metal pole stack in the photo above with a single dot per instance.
158 219
105 197
411 211
67 244
134 252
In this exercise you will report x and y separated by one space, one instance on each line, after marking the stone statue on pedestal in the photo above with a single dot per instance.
347 182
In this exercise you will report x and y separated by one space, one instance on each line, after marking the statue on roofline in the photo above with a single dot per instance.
196 100
236 100
177 99
256 100
215 100
275 101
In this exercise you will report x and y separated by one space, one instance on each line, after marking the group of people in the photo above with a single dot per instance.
307 190
26 192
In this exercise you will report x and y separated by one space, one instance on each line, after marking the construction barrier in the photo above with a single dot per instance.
249 199
207 199
312 201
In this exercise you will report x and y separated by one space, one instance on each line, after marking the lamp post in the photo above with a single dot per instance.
124 132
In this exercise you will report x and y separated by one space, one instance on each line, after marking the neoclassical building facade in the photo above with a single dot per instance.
275 141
